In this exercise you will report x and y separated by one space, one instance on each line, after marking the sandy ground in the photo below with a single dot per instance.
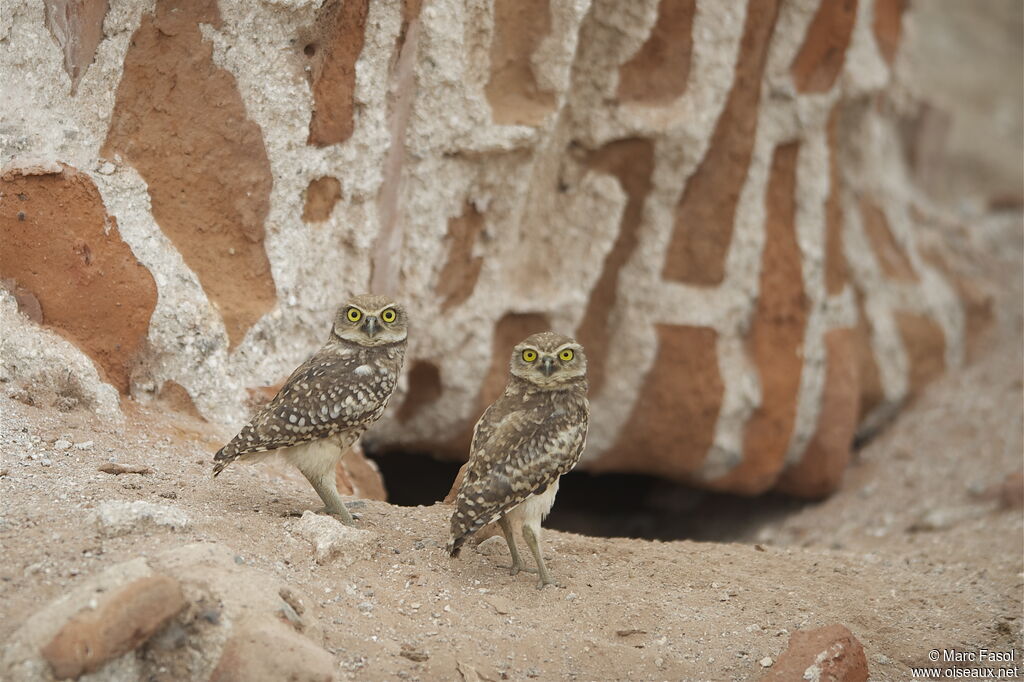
916 552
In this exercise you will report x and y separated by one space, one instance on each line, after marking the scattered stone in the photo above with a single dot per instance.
84 445
945 517
827 653
266 650
169 494
413 654
62 444
117 517
468 672
292 599
288 614
492 546
333 539
766 662
118 469
629 632
5 472
124 619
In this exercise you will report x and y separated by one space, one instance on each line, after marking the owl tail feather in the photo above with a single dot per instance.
455 545
221 460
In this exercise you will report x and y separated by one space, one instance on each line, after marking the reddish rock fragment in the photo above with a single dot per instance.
513 92
888 26
72 268
673 422
180 121
827 654
321 196
820 470
776 336
462 269
631 161
705 214
659 71
333 46
823 53
925 344
122 621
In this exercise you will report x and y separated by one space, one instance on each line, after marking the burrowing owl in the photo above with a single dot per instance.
329 401
523 443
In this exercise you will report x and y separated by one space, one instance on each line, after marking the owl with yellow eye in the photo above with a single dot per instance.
522 444
331 399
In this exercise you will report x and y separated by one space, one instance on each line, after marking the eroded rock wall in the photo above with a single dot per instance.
710 195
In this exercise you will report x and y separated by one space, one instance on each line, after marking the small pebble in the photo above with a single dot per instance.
62 444
766 662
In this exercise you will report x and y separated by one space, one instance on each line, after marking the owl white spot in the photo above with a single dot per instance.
302 422
335 410
292 418
363 370
349 400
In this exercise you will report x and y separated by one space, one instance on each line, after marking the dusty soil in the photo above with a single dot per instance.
917 551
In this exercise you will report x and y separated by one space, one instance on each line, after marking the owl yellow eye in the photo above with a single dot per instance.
388 315
529 355
566 355
353 315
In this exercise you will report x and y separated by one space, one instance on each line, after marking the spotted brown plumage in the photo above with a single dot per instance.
329 400
523 443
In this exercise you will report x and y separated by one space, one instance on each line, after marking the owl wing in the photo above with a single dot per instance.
516 454
327 394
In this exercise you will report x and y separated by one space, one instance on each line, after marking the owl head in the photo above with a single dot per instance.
369 320
549 360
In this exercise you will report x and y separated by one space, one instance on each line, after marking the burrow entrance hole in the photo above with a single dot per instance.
607 505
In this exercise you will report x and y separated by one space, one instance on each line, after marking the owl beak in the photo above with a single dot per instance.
370 326
547 366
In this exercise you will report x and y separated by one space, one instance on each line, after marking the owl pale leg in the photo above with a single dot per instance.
517 561
325 486
532 541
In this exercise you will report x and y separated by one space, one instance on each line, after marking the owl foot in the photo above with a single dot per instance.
530 535
345 516
517 561
514 569
324 486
